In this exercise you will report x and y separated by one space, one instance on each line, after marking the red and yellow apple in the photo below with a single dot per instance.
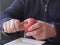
29 22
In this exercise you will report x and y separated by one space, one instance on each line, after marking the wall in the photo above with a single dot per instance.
4 4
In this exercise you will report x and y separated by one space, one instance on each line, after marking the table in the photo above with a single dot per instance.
6 41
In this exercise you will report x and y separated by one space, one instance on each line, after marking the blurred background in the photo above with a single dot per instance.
4 4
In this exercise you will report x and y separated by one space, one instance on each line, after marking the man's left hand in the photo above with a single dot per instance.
42 30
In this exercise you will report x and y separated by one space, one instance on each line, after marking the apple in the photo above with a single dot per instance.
29 22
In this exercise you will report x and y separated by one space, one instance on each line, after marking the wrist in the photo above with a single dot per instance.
53 31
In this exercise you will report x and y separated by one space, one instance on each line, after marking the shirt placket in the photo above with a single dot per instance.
44 9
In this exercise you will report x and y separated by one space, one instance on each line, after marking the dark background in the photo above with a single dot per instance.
4 4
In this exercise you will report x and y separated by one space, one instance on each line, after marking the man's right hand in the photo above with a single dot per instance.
12 26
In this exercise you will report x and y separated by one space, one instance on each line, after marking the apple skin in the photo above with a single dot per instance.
29 22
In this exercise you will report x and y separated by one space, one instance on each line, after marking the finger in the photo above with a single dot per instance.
38 34
41 36
8 27
5 27
34 27
12 26
17 25
34 33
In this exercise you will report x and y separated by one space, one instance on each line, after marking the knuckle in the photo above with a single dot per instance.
38 25
7 22
17 21
11 19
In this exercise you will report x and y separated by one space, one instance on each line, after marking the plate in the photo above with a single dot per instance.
25 41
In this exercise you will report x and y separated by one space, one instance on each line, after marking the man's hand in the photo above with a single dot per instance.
12 26
42 30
